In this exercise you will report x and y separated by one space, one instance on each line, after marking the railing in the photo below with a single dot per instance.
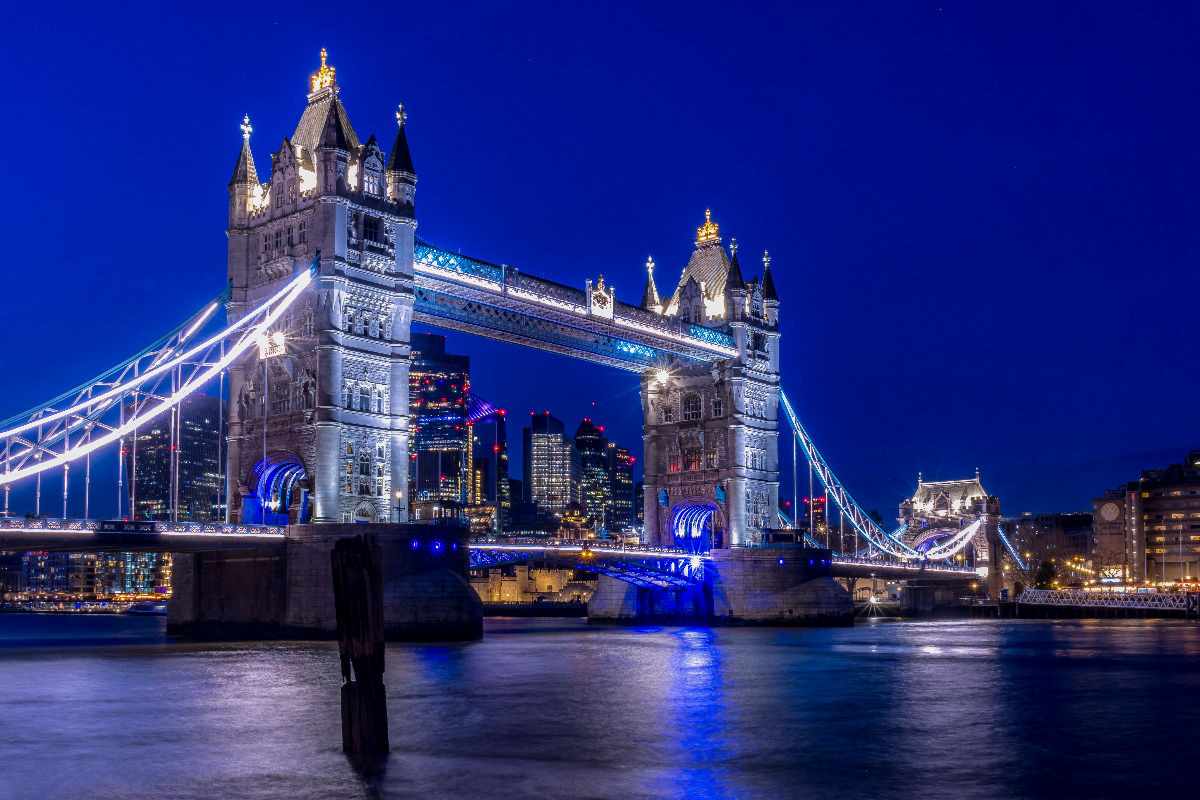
534 543
908 566
1149 600
59 525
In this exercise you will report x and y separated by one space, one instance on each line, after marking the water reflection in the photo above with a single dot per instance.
559 709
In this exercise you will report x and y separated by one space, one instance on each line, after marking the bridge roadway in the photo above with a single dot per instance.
574 549
82 535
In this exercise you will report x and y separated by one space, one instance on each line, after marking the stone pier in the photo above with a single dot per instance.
289 592
743 586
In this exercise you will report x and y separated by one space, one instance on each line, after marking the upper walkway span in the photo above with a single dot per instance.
500 302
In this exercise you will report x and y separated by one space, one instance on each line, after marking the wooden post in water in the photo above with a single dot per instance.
358 600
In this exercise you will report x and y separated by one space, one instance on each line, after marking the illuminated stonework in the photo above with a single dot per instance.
331 385
711 429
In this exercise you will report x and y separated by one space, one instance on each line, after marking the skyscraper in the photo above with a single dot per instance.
620 480
491 460
441 441
198 468
596 489
552 468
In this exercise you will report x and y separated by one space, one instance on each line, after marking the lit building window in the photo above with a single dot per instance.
371 184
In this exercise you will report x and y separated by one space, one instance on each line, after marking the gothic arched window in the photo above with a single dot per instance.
364 464
691 407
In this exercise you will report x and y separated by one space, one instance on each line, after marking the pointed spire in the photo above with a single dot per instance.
733 279
650 299
768 285
401 159
244 171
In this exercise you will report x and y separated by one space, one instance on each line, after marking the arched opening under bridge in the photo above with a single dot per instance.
276 488
694 525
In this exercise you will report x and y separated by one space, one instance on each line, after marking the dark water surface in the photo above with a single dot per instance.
107 707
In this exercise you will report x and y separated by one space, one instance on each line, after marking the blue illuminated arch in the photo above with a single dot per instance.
275 480
692 525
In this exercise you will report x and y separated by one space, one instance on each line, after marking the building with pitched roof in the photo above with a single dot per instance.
318 425
711 430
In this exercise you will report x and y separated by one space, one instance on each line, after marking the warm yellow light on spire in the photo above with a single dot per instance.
708 231
323 78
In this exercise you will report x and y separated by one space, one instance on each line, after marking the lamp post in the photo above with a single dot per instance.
399 506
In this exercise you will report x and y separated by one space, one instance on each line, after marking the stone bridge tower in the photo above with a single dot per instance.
711 430
318 425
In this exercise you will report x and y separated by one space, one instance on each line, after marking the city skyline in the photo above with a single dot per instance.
1043 289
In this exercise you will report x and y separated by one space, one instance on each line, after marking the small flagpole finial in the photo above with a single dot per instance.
766 260
401 115
246 129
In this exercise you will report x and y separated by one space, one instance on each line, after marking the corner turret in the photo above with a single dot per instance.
245 178
401 175
650 299
770 298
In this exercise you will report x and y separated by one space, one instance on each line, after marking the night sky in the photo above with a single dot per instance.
982 217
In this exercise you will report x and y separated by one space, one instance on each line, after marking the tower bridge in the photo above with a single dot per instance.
326 276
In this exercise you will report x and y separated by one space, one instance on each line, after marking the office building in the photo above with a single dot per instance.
620 479
596 487
552 467
440 440
490 479
1158 518
196 482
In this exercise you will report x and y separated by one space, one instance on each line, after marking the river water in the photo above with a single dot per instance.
108 707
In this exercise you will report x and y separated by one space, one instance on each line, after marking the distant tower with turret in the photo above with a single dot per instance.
318 427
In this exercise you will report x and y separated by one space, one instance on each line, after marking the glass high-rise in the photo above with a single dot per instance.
439 384
552 468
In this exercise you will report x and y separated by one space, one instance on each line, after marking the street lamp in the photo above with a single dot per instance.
399 505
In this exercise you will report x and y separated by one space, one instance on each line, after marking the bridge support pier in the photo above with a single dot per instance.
742 586
924 597
288 593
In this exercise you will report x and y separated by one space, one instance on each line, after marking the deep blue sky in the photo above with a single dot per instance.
982 217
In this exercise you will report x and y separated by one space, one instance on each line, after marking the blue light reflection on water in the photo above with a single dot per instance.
560 709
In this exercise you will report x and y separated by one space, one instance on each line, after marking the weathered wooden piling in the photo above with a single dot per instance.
358 600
